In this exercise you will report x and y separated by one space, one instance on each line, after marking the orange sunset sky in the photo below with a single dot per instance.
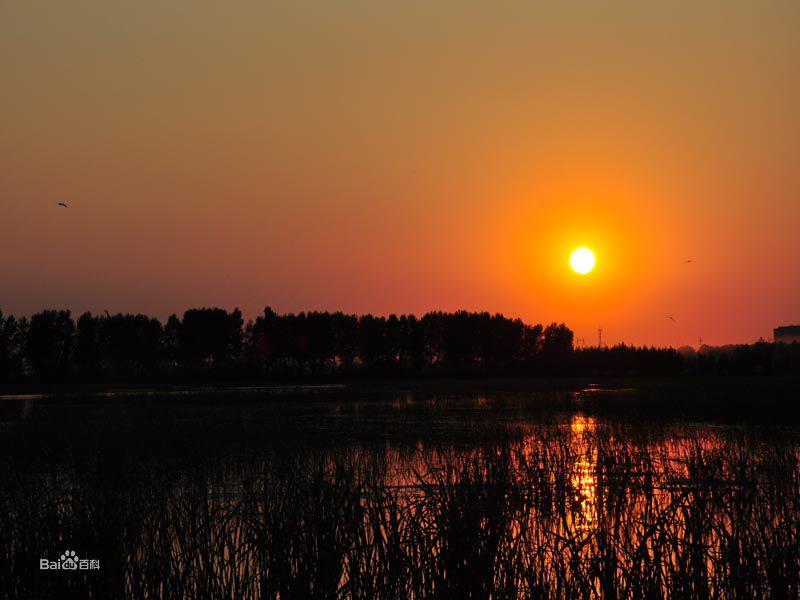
407 156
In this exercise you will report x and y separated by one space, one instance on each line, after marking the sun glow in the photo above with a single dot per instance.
582 260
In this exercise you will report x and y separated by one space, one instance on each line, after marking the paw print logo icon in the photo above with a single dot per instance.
69 560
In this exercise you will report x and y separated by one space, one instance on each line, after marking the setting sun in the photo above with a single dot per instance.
582 260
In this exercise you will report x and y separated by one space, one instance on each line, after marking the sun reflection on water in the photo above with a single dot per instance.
584 476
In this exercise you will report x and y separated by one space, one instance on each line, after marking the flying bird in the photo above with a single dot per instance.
671 318
62 204
691 260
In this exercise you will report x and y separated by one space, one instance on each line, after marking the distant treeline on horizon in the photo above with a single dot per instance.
213 343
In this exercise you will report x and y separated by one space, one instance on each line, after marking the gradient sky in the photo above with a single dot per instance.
402 157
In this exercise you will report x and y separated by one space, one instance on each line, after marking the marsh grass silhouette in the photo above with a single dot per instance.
232 504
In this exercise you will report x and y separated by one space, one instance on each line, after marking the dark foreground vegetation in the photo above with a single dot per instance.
212 343
202 499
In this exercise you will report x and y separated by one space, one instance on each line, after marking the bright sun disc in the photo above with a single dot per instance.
582 260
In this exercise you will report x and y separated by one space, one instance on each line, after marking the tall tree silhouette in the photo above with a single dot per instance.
88 354
374 352
49 343
345 340
171 343
132 344
210 336
264 346
13 334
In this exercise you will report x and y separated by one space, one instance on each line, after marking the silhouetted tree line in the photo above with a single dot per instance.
761 358
214 343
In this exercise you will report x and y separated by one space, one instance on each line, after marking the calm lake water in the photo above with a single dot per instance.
332 491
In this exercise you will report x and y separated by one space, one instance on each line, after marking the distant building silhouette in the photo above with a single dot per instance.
787 334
